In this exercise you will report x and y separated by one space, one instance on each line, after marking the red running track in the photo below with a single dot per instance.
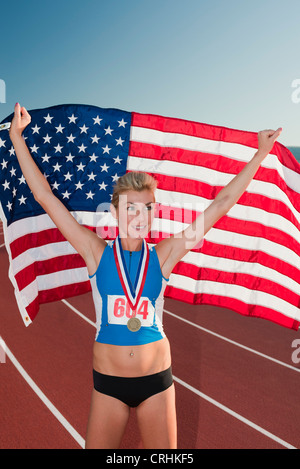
236 383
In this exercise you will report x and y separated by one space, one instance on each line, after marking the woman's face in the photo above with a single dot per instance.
135 213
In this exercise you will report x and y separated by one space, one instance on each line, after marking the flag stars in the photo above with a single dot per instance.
109 130
59 129
68 176
58 148
22 180
71 138
115 177
65 153
12 172
120 141
104 168
57 167
66 195
117 160
97 120
102 186
6 185
48 119
11 151
122 123
93 157
89 195
95 139
92 176
22 200
84 129
55 185
80 167
72 119
34 149
70 157
106 149
79 185
35 129
4 164
47 139
82 148
45 158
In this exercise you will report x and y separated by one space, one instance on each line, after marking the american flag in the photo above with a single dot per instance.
248 262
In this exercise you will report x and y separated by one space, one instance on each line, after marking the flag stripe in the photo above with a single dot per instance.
220 135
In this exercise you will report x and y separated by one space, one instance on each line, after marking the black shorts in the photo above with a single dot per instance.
133 391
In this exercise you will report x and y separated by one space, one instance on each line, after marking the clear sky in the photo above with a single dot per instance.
228 63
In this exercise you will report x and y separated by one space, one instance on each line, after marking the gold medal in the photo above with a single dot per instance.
134 324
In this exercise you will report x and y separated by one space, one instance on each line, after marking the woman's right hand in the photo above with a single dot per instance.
20 121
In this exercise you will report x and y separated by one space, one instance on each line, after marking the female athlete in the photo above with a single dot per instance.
132 360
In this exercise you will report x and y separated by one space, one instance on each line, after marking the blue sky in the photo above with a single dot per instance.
228 63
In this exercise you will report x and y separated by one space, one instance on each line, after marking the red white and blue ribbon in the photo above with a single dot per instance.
133 292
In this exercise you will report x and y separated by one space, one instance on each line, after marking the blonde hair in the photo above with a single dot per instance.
133 181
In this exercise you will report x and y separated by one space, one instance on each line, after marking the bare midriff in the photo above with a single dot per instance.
132 361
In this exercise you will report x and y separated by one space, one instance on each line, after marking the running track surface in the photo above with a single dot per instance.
236 383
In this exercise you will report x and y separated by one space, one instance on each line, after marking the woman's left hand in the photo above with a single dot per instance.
266 140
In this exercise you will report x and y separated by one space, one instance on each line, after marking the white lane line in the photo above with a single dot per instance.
79 313
204 396
71 430
235 415
237 344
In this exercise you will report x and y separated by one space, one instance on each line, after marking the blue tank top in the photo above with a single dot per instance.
112 308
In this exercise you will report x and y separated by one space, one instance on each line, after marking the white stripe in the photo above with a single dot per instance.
43 222
42 253
235 414
54 280
255 269
231 150
246 295
71 430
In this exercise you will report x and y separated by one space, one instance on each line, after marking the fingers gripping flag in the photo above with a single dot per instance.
248 262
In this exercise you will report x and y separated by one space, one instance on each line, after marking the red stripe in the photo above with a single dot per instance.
49 266
218 163
56 294
211 132
254 283
232 304
40 238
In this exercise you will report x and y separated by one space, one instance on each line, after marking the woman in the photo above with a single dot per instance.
132 360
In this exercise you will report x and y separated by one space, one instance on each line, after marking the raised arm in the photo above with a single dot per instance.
171 250
87 243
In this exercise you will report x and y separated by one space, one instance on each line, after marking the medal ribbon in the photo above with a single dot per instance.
132 292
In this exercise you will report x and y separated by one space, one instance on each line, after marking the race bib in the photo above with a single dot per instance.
119 311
